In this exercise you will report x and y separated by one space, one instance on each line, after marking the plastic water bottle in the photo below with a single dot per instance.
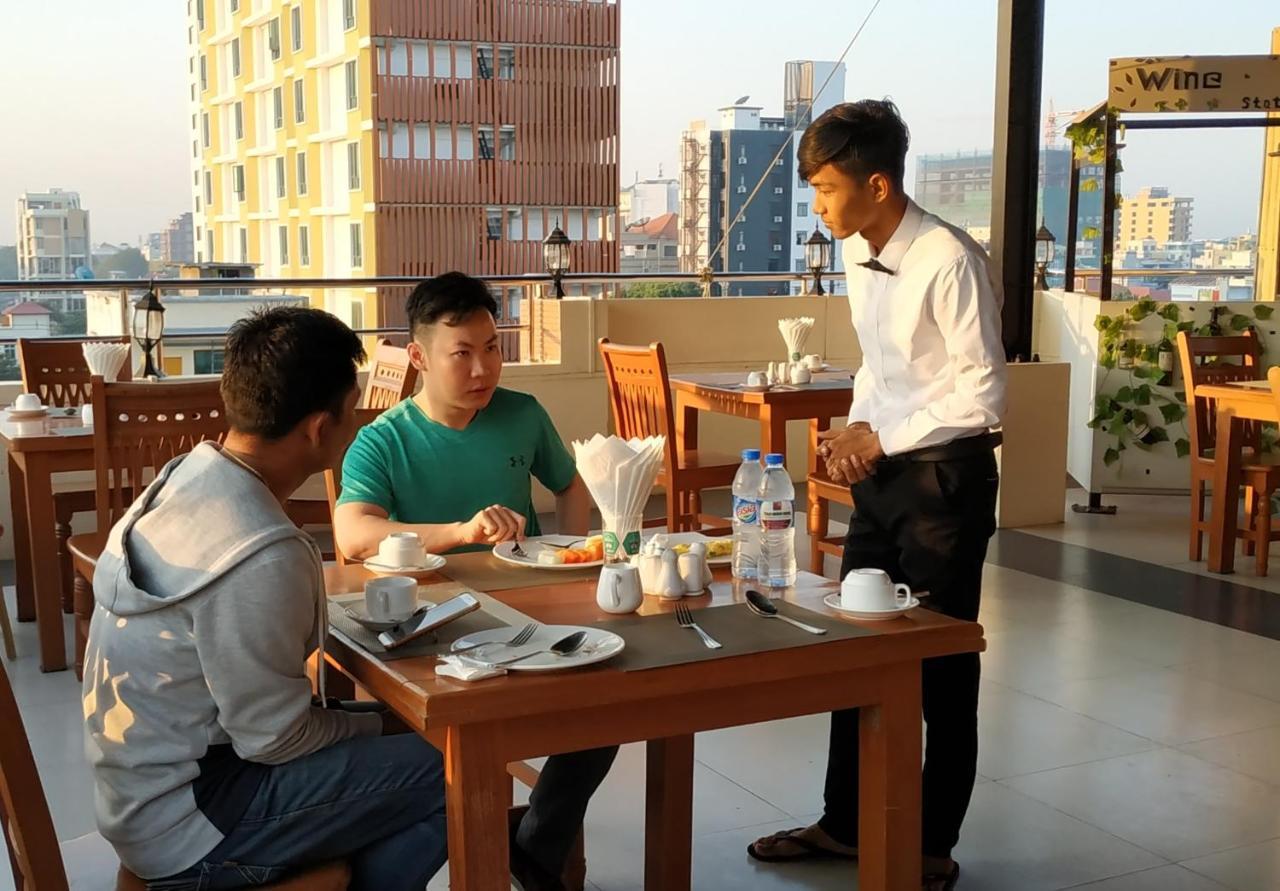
746 515
777 565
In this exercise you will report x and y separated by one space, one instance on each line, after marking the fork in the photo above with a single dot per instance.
522 637
685 619
516 550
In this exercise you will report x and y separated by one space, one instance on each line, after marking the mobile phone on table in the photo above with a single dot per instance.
432 619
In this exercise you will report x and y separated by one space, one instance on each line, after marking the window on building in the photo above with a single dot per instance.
277 106
669 251
304 246
742 156
301 174
778 190
282 234
357 247
205 136
802 209
421 141
493 223
273 38
237 181
353 165
244 244
506 63
208 245
484 62
466 150
235 57
235 6
420 58
441 60
200 13
208 188
204 73
444 142
282 183
777 162
399 65
238 113
515 225
208 361
800 238
507 143
740 247
353 83
777 219
533 229
295 28
400 139
777 248
484 142
356 311
462 61
348 14
299 101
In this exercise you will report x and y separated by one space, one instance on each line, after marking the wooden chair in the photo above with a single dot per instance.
820 491
392 377
6 627
138 429
1204 362
56 371
640 400
27 827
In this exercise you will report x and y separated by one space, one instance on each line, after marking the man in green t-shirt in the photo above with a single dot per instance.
454 465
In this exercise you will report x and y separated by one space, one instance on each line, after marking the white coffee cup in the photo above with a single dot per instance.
800 374
27 402
401 549
872 590
619 589
390 598
757 379
813 362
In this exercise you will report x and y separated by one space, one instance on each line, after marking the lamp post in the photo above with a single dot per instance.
555 253
817 251
148 329
1044 255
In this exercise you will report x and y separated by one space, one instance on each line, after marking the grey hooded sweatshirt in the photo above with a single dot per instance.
209 601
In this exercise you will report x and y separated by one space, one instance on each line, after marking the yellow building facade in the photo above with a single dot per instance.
1153 215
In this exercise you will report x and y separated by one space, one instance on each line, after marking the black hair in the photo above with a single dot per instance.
283 364
859 138
451 298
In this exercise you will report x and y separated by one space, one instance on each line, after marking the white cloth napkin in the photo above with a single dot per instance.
619 473
795 333
463 669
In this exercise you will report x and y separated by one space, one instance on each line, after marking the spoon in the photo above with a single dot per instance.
763 606
565 646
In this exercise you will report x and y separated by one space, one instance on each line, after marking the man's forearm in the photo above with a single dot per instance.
359 538
573 509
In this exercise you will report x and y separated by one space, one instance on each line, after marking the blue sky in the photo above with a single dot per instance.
108 113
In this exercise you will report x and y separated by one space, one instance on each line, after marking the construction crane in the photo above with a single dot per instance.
1052 130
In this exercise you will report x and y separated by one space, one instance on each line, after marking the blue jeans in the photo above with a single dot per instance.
376 802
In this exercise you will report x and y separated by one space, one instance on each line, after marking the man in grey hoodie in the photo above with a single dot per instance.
214 767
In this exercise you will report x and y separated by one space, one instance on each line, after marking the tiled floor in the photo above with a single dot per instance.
1125 747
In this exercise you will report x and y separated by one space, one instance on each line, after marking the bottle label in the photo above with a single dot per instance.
746 510
777 516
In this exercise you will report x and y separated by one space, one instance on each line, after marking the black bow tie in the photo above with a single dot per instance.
876 266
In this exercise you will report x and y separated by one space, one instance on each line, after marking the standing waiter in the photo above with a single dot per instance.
918 451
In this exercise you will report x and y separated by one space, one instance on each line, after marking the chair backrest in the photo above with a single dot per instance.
640 393
57 372
391 377
333 480
1208 361
140 427
24 812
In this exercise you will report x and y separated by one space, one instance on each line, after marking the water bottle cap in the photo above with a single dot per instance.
774 460
750 454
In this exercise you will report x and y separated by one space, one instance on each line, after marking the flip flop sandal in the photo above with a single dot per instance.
948 879
808 850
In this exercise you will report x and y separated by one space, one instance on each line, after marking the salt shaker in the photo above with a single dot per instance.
699 549
671 586
691 573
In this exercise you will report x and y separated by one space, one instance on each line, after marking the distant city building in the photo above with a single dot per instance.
152 247
23 320
651 246
647 199
178 240
802 104
721 168
1153 215
53 235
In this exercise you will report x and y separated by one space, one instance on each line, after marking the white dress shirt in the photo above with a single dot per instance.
933 366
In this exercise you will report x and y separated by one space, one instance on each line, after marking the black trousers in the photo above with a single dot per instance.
558 804
926 524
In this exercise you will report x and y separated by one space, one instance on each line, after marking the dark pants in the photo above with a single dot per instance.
558 804
926 524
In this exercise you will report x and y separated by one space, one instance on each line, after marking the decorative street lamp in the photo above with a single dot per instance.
148 329
1044 256
817 252
555 253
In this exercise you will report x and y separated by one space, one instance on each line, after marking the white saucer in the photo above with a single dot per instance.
359 614
17 414
876 615
430 564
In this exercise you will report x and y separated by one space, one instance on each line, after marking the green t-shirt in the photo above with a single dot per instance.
419 471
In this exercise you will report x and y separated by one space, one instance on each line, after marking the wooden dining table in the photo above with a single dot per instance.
37 451
1235 403
827 396
482 726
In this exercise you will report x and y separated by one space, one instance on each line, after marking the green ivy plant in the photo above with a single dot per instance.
1137 413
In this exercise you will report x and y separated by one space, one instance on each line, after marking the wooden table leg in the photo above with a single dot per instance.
889 780
476 792
21 543
773 431
44 564
686 424
1226 489
668 819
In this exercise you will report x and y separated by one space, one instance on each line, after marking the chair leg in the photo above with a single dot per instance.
819 523
1250 513
1262 533
83 598
673 508
66 575
1197 520
6 630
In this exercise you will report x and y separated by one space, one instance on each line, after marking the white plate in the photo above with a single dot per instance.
599 646
23 414
430 564
833 601
532 547
677 538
